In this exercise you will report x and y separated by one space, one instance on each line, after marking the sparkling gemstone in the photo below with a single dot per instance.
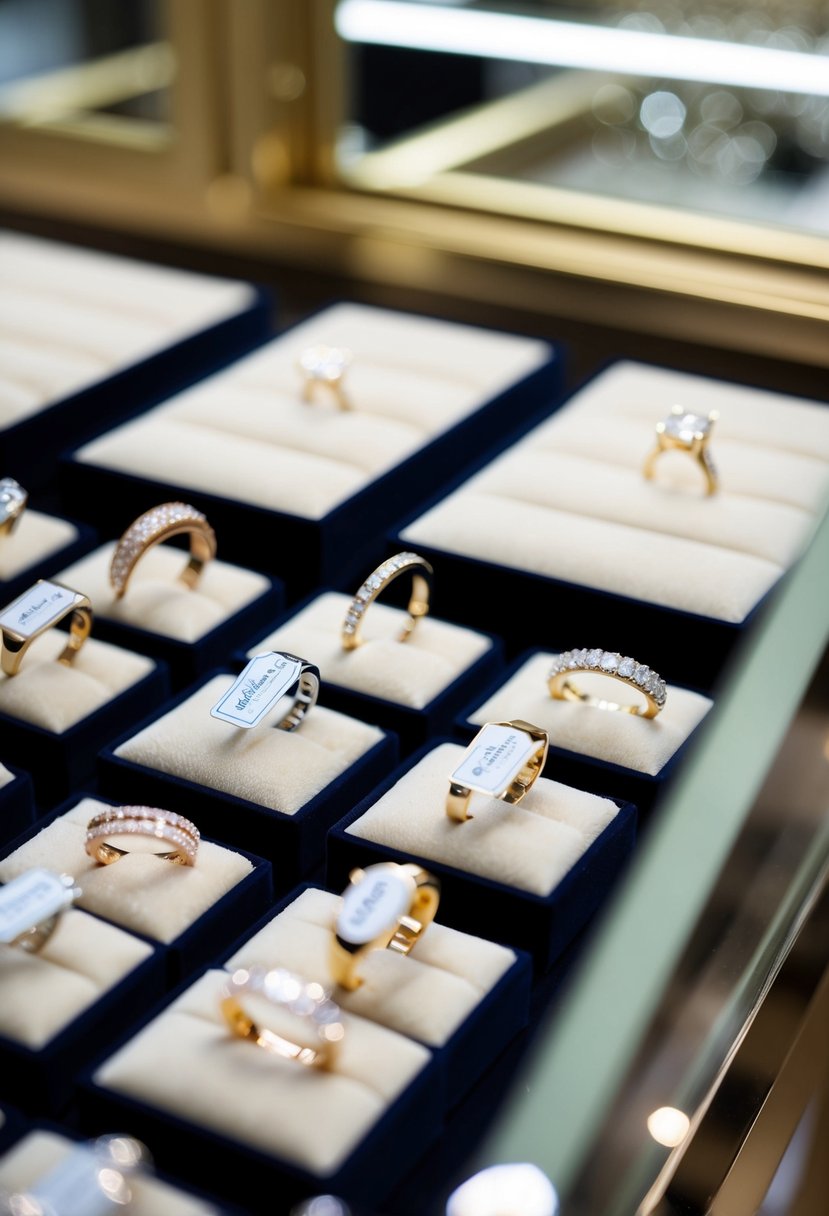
627 667
609 662
593 657
12 496
686 427
641 674
325 362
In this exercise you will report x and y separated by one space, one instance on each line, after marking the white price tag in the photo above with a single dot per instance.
265 680
74 1187
494 759
31 898
37 608
375 904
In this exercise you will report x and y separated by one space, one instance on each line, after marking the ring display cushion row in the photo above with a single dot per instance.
246 435
36 538
157 601
70 318
39 1152
309 1118
411 674
277 769
425 995
530 846
569 501
141 892
629 740
56 697
82 960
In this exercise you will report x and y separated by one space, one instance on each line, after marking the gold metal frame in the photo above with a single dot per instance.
249 168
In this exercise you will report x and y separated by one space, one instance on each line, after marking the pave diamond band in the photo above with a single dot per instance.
325 367
619 667
150 822
376 583
683 431
154 526
307 1001
13 499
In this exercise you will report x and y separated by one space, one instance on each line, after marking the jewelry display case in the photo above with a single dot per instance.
639 180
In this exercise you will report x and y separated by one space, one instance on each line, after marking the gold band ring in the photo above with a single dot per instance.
376 583
31 906
385 907
683 431
307 1001
503 761
149 822
13 499
325 367
624 669
152 528
45 604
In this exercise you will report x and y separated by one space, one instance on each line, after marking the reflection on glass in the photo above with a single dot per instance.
77 62
505 1190
668 1126
690 104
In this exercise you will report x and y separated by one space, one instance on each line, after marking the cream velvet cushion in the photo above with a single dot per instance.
70 317
410 673
279 769
645 745
36 538
38 1153
157 601
569 500
531 845
188 1063
425 995
44 992
247 435
141 892
56 696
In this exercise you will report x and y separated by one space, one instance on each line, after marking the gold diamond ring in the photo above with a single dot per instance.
683 431
152 528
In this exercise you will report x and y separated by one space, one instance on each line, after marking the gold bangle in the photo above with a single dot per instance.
503 761
325 367
149 822
385 907
13 500
35 612
152 528
623 669
307 1001
376 583
683 431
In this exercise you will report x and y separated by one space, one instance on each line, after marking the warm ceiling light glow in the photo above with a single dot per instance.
668 1126
504 1190
463 31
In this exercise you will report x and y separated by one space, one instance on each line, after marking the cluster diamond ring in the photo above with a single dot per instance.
683 431
150 822
308 1002
152 528
377 582
622 668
